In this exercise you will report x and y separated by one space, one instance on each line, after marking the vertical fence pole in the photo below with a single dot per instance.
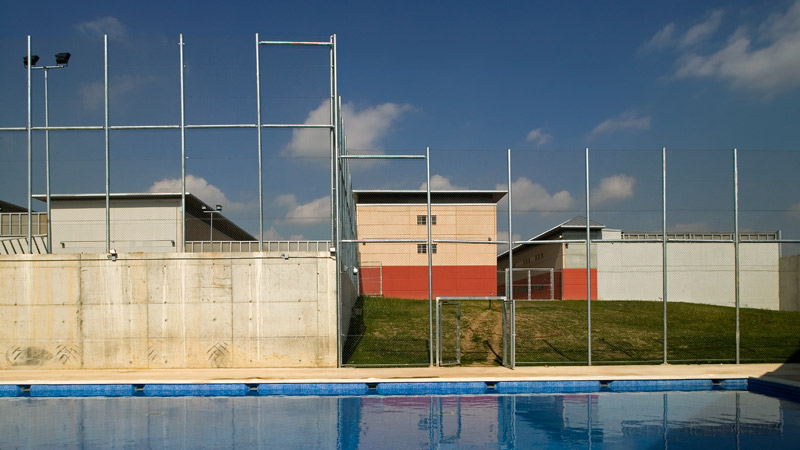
47 161
588 269
30 154
108 163
260 166
664 244
337 235
736 243
510 290
430 256
183 154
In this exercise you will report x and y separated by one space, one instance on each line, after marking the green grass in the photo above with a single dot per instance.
388 331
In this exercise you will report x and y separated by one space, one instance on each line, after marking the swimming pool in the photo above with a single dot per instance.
613 416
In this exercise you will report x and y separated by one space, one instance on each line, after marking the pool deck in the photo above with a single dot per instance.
788 374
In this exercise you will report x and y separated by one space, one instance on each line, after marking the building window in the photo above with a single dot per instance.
423 219
423 248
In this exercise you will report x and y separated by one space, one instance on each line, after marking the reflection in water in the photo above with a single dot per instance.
612 420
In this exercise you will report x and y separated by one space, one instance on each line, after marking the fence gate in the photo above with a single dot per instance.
449 320
449 328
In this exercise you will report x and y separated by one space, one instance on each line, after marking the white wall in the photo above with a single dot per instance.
152 225
697 272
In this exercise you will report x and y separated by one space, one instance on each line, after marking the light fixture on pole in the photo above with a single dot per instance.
207 210
62 59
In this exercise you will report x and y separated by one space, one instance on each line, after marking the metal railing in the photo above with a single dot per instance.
253 246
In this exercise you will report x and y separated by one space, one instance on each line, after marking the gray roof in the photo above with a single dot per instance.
575 223
419 196
10 207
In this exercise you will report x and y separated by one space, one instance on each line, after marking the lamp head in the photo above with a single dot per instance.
219 207
34 60
62 58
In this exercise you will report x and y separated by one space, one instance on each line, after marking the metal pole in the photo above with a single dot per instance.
30 154
47 160
736 243
430 254
108 164
664 243
260 167
183 153
340 256
588 268
513 325
529 284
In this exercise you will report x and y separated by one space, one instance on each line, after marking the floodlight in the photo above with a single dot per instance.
61 58
219 207
34 60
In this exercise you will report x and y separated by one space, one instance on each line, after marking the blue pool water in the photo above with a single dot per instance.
629 420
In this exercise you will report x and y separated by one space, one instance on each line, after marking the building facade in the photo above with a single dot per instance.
628 266
400 269
144 222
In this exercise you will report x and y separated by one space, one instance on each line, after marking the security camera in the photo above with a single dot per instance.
112 254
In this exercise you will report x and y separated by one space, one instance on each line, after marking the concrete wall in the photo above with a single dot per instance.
167 311
697 272
790 283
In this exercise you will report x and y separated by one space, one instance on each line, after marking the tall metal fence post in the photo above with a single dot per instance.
430 255
664 243
510 290
108 162
260 160
183 153
588 268
337 235
30 154
736 244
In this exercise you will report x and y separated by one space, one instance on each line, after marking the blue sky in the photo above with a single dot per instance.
468 79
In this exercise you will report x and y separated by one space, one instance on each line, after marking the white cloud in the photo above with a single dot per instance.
626 121
441 183
663 38
312 213
273 235
702 31
530 196
794 210
120 87
104 25
613 188
364 129
696 227
538 137
763 59
201 189
503 236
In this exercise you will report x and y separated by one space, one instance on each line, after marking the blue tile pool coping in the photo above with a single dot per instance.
405 388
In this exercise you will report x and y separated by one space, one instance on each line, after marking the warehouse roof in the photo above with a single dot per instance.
421 196
576 223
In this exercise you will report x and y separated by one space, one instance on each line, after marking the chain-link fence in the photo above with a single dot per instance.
195 145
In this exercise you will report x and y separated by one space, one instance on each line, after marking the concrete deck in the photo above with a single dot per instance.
783 373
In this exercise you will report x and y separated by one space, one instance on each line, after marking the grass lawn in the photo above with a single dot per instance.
388 331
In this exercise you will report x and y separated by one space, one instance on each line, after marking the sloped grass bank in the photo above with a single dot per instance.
395 332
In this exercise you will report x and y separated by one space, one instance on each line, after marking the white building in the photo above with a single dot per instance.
625 266
145 222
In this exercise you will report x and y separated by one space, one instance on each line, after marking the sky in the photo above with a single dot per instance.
468 79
